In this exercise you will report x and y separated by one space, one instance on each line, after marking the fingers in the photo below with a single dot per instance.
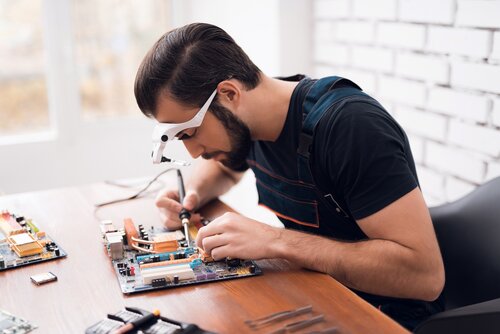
168 203
169 200
212 242
220 253
215 227
191 200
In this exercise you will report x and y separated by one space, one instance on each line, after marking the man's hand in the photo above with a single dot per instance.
239 237
168 203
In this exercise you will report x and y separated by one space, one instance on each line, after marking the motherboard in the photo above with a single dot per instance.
153 258
22 242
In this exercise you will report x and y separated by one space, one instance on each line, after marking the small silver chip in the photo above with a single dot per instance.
43 278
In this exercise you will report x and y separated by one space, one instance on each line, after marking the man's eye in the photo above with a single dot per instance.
183 135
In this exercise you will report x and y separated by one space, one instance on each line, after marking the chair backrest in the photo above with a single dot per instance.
468 231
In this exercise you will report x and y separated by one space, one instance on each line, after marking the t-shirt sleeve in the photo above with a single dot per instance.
367 158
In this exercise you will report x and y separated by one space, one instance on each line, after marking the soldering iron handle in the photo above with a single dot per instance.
180 182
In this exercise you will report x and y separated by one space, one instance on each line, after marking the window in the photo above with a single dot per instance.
111 38
68 68
23 91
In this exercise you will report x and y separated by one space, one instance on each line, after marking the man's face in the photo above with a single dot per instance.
222 136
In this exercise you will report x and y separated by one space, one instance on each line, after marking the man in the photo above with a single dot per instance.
329 160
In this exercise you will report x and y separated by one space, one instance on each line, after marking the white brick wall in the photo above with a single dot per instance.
401 90
435 65
428 11
456 188
380 9
496 112
422 124
454 161
323 32
330 53
493 170
477 138
417 148
479 13
401 35
331 9
355 31
496 46
483 77
431 182
422 67
444 40
460 104
372 58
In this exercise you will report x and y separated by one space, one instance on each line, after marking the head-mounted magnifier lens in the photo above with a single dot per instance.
163 132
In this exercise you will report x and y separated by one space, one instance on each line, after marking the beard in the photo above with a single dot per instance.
239 137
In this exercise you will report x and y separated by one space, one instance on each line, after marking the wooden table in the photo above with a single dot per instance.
87 288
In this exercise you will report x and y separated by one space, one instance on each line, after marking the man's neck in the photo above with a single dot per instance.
268 107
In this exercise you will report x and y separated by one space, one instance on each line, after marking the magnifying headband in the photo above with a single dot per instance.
163 132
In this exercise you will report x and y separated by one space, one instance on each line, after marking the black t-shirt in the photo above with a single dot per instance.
359 153
362 153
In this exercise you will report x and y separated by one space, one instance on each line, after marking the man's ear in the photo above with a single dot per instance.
229 91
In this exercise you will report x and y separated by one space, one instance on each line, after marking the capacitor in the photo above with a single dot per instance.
132 271
57 251
128 272
252 269
176 279
2 262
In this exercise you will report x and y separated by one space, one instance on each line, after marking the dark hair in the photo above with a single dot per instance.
188 63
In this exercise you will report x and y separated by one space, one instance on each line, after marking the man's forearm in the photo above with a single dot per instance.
211 180
375 266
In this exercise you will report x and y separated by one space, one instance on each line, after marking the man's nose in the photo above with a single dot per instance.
194 149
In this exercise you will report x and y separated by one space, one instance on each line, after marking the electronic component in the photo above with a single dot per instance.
23 243
43 278
130 230
10 324
114 242
156 259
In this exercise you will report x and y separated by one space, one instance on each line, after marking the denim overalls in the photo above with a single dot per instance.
297 200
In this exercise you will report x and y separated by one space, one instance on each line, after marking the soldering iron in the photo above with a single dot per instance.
184 215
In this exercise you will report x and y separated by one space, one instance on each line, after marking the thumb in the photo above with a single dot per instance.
191 200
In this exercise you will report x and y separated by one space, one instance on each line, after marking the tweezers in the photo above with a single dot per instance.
283 315
296 326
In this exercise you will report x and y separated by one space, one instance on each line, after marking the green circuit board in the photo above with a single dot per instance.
23 243
140 268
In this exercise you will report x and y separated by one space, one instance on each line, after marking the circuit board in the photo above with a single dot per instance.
23 243
154 258
10 324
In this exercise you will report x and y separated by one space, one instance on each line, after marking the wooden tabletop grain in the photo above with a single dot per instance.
87 288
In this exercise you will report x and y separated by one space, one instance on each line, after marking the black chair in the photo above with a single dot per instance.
468 232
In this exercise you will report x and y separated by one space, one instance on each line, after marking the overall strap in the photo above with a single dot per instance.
319 99
323 96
